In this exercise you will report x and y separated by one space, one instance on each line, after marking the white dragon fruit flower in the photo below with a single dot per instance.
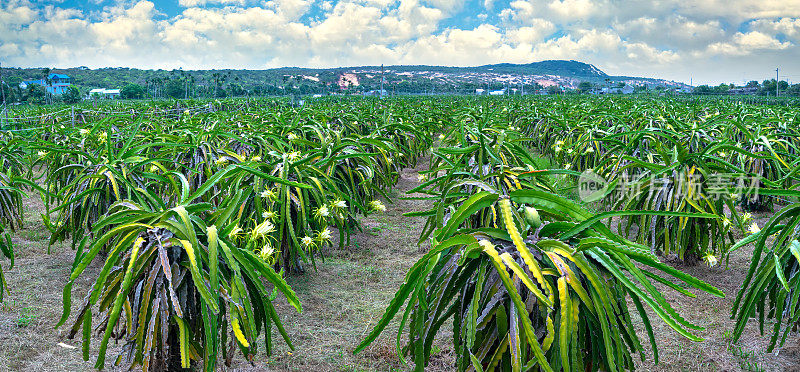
377 206
710 259
323 211
324 235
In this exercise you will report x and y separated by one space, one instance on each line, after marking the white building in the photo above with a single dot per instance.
627 89
104 93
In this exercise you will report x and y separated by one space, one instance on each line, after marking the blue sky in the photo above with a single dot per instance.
708 41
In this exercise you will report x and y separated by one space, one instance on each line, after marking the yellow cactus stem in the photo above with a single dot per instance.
565 330
183 340
237 331
572 279
551 334
508 183
516 182
533 266
510 263
113 181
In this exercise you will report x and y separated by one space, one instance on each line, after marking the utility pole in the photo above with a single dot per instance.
382 80
2 82
777 80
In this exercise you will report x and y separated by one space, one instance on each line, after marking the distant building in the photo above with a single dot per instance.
627 89
376 93
104 93
497 92
58 83
480 92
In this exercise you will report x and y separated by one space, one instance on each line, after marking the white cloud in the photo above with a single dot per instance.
194 3
739 10
747 43
572 9
292 9
789 27
533 34
448 6
674 31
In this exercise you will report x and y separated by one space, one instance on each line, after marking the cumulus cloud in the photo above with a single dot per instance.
535 33
193 3
448 6
747 43
664 38
572 9
788 27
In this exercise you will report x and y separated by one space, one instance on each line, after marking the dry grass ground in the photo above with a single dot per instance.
343 299
717 352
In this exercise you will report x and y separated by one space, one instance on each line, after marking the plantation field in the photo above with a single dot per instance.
510 234
345 297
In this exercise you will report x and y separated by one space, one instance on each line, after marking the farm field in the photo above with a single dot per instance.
514 234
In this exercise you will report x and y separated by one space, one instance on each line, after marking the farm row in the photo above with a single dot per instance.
549 221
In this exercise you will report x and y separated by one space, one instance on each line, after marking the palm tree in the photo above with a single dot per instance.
192 81
147 85
46 81
215 77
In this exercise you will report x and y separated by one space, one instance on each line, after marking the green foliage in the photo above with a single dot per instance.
11 184
132 91
529 278
585 86
195 214
176 89
72 95
173 283
522 296
26 317
696 157
36 93
772 284
678 181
